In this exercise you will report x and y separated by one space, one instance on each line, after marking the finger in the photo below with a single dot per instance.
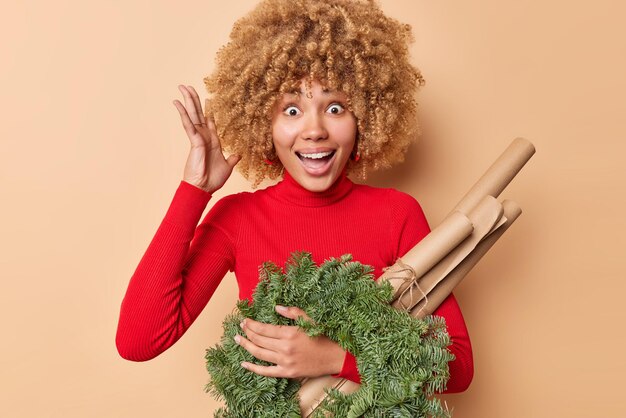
268 330
269 371
292 312
184 117
255 350
195 139
233 160
268 343
196 101
190 105
210 124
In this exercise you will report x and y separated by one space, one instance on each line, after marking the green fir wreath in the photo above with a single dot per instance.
402 360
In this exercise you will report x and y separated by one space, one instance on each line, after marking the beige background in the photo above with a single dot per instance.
92 151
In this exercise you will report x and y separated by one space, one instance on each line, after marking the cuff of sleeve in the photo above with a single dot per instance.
187 205
349 370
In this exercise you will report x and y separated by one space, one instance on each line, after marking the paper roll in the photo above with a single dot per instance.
443 289
483 217
312 393
498 175
428 252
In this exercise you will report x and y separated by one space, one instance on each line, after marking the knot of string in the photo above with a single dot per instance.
401 268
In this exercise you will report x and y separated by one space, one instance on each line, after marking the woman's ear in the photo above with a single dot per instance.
271 158
355 155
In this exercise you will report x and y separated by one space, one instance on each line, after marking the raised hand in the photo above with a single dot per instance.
293 352
206 166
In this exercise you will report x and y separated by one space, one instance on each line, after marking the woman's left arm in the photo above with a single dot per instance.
293 353
411 229
462 367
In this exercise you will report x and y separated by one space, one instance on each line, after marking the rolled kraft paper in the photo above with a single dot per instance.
443 289
484 217
501 222
311 392
499 175
428 252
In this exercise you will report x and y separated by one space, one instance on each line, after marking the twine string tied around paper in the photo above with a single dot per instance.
401 267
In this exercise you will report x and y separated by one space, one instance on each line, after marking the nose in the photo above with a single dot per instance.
314 128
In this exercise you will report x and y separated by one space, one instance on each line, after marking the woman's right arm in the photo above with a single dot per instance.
176 276
183 265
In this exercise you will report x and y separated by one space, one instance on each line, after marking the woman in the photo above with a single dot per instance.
328 94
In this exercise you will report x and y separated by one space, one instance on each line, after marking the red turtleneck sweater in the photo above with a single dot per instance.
185 262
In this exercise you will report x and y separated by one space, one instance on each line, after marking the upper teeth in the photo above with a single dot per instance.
317 155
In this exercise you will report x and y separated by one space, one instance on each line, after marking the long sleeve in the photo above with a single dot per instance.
176 276
411 227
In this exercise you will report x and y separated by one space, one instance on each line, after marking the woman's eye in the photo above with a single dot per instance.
291 111
335 109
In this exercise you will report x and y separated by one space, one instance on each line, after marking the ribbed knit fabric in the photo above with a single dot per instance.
185 262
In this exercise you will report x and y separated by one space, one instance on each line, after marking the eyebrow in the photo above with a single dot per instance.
299 91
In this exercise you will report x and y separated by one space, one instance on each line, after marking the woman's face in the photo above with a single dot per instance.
314 134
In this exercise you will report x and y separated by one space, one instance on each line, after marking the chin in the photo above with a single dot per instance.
317 185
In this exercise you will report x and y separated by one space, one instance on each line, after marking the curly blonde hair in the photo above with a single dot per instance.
348 45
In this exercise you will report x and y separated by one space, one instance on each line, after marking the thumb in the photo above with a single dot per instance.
233 160
292 312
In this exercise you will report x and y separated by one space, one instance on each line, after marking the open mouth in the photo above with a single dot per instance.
316 163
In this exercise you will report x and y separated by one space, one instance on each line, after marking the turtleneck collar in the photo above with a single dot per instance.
290 191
